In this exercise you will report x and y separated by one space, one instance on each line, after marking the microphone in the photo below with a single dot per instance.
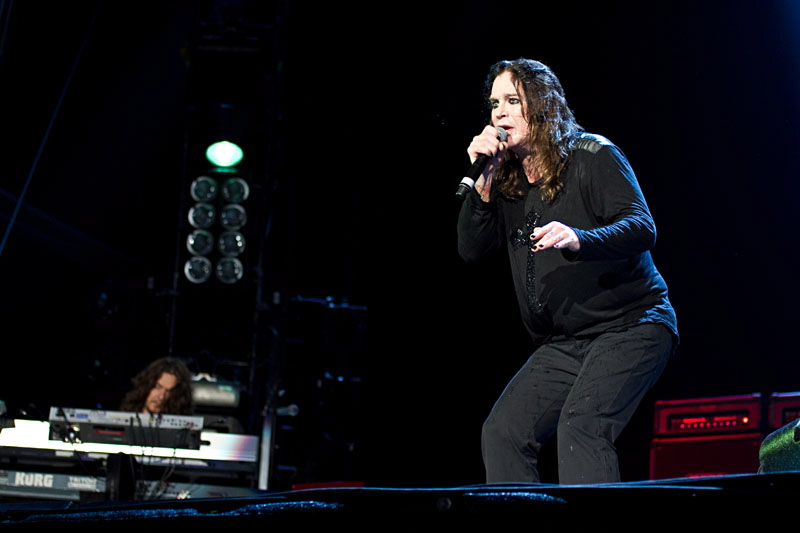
476 169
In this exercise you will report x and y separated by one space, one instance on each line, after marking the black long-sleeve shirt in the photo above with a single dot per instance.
611 283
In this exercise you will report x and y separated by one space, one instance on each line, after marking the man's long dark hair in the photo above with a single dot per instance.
553 127
179 401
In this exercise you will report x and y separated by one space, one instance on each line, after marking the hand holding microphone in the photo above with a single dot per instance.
482 159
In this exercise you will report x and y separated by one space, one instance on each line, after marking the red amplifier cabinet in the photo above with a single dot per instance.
708 455
783 408
698 416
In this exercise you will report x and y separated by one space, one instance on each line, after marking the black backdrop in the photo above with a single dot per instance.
379 104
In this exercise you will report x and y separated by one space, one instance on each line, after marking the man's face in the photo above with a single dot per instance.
508 112
159 393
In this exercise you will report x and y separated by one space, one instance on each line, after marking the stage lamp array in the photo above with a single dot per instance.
217 218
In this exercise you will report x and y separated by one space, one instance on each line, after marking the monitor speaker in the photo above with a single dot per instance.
780 450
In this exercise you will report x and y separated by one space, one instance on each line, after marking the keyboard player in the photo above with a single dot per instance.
162 387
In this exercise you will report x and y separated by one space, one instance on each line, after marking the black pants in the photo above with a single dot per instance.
585 391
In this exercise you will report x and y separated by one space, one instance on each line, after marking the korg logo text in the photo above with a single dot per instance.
28 479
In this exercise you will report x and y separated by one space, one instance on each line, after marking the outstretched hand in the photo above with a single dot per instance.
554 235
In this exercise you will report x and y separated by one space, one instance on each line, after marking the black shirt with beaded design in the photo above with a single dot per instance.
611 283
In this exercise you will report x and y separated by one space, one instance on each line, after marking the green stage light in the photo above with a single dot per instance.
224 154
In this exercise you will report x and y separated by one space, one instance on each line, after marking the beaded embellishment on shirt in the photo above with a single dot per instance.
519 238
522 237
530 283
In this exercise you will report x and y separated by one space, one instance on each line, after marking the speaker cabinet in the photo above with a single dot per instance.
707 455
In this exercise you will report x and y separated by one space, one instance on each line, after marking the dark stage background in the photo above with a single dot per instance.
367 113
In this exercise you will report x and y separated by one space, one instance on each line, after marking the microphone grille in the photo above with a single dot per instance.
502 134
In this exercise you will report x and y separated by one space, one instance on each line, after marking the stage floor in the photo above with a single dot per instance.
719 501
